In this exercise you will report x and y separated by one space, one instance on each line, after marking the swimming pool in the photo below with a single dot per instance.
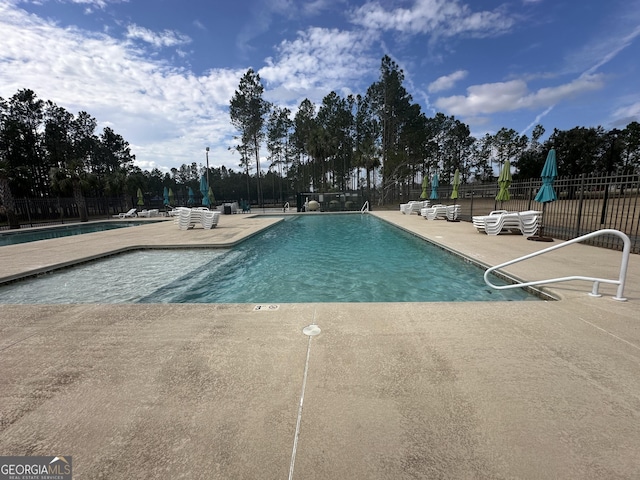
24 236
305 259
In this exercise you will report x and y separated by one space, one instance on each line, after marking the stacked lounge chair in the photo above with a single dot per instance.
189 217
185 219
479 220
441 212
498 222
209 219
453 211
413 206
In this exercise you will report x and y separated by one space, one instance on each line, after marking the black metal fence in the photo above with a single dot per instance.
585 204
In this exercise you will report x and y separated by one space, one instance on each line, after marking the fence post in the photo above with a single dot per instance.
580 200
28 208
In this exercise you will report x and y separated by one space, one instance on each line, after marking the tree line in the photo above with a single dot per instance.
383 138
379 141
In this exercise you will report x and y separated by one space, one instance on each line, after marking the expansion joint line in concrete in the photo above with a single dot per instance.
304 385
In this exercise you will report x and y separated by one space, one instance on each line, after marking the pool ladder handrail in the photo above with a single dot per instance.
365 207
286 207
596 281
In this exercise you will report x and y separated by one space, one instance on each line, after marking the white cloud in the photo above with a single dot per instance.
317 61
166 38
442 18
168 115
514 95
625 115
447 81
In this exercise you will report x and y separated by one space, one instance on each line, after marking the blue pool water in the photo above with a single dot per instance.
24 236
306 259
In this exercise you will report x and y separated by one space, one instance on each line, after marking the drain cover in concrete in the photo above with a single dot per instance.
265 308
311 330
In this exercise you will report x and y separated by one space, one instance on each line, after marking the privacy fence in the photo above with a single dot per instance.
585 204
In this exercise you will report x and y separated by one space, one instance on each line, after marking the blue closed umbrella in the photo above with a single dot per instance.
204 190
547 193
192 198
166 196
434 187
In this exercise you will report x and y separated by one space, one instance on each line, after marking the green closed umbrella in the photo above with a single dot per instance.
140 198
456 186
212 199
171 196
192 199
425 184
547 193
504 181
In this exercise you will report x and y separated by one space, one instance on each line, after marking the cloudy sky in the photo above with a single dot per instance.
162 72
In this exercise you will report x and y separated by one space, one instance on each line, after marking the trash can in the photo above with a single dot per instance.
227 209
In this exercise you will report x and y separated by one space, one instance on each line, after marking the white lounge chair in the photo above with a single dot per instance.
129 214
189 217
479 220
209 219
149 213
453 211
435 212
525 223
184 219
413 206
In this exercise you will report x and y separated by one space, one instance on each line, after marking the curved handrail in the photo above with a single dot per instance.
365 207
596 281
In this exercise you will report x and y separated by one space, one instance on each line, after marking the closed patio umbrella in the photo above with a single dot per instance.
204 190
140 198
212 199
191 200
504 181
547 193
434 187
456 186
165 194
425 184
171 196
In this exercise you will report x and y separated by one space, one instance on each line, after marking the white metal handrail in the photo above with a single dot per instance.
596 281
365 207
286 207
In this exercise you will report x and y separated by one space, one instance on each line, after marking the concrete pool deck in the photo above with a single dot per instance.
541 389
